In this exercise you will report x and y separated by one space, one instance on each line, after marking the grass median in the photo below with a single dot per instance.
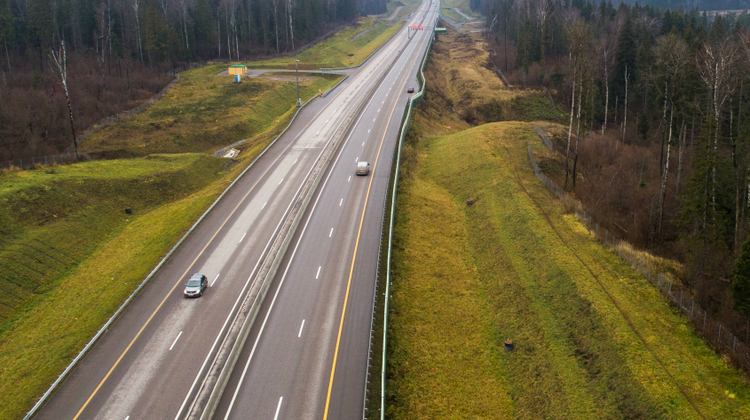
348 47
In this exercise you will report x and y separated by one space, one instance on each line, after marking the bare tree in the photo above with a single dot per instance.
607 48
680 150
275 9
102 41
625 112
164 6
136 4
716 68
672 57
580 37
544 11
184 9
60 59
291 22
585 79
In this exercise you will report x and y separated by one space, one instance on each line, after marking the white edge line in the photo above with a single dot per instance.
300 329
175 341
278 408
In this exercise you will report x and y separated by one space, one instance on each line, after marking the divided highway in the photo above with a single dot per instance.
306 355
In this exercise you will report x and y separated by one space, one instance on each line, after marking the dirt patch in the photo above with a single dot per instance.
363 32
289 78
461 79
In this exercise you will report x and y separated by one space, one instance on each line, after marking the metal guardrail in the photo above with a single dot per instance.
414 100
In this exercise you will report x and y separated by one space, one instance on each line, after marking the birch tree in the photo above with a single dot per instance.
580 36
102 41
136 4
716 69
290 8
184 8
607 47
672 57
60 60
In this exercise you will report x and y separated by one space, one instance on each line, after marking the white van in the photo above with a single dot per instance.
363 168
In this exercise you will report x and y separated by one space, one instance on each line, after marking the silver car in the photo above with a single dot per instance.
363 167
196 285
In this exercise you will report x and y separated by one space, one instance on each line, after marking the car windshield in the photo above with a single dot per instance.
194 283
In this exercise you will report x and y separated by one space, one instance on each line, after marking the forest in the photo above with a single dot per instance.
119 53
656 135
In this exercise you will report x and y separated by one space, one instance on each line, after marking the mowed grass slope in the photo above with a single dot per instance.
594 340
204 112
70 254
348 47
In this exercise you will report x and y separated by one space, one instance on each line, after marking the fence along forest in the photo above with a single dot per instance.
122 52
655 133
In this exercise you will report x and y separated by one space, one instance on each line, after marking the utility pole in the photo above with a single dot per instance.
296 72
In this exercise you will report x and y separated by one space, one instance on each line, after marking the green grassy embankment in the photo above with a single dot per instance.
447 11
341 49
594 339
70 254
204 112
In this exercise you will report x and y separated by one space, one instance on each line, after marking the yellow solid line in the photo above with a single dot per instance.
193 263
354 257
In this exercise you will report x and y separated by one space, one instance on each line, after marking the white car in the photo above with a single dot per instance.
363 168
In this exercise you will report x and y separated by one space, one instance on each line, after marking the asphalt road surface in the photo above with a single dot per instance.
306 356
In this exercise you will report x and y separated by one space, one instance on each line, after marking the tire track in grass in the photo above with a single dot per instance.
604 289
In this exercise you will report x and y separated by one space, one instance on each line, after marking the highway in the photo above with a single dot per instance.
306 356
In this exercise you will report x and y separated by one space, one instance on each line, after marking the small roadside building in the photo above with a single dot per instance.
238 69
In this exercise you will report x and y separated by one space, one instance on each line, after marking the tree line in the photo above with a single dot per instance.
69 63
150 31
656 104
